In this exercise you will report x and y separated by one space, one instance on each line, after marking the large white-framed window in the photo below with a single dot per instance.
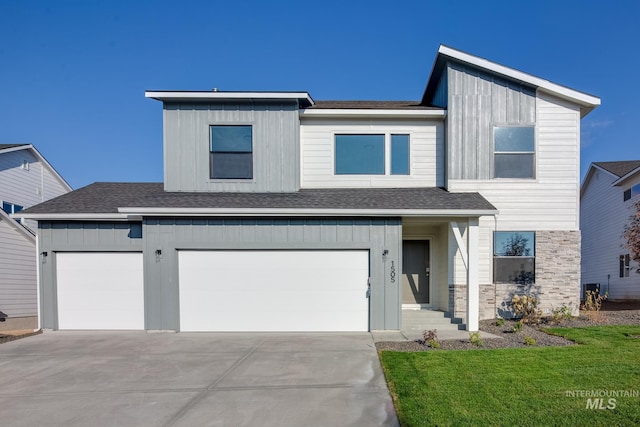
514 257
372 154
231 152
514 152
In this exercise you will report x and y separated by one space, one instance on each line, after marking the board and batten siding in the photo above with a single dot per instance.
317 155
477 102
171 235
275 128
18 296
550 200
603 215
56 237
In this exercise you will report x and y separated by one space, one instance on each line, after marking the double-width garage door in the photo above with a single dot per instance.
272 290
100 290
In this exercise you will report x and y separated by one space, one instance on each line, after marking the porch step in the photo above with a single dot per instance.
421 320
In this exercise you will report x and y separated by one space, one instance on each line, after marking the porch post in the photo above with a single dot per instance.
473 275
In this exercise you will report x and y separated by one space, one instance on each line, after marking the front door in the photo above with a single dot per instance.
415 272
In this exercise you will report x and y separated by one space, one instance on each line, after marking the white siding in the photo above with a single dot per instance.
27 187
602 220
17 273
318 161
550 201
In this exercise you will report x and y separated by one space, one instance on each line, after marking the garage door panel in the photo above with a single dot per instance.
97 290
273 290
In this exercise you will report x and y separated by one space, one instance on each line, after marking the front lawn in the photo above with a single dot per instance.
538 386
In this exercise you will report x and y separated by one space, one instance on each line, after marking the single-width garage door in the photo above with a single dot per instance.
100 290
273 290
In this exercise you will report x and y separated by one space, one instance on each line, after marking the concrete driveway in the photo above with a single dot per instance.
193 379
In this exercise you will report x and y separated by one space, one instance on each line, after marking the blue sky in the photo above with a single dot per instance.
73 73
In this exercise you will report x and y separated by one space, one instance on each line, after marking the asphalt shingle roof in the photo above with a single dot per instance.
621 168
107 197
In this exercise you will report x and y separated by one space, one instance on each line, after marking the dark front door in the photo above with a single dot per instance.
415 272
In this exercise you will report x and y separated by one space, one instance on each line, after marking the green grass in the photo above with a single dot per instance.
524 387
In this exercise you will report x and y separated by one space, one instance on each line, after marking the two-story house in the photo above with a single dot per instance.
26 179
281 213
608 198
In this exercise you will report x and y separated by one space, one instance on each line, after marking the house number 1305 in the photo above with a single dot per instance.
392 274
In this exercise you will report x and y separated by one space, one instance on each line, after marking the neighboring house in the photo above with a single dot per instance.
281 213
607 199
26 179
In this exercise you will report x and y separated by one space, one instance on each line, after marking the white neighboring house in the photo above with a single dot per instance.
26 179
607 198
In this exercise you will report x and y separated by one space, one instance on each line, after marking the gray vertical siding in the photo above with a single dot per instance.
171 235
275 146
56 237
477 102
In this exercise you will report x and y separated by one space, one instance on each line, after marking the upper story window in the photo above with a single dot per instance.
631 192
366 154
514 152
399 154
514 257
231 152
11 208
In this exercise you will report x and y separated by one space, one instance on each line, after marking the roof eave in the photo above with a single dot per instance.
359 112
458 213
586 101
626 177
303 98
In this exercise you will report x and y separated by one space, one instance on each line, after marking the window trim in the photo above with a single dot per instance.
631 192
13 207
533 153
625 265
387 154
211 152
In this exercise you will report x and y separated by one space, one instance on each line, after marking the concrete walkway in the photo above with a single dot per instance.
193 379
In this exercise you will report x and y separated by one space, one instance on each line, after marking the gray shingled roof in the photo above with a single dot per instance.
621 168
372 105
106 197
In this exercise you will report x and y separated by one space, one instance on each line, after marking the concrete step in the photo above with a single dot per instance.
421 320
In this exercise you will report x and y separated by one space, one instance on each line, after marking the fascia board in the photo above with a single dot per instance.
74 217
221 96
626 177
546 85
306 212
16 226
343 112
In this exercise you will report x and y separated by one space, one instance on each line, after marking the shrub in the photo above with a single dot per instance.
593 300
430 338
500 322
529 340
475 339
517 327
562 313
525 307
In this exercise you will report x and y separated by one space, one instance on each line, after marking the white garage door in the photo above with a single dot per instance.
273 290
98 290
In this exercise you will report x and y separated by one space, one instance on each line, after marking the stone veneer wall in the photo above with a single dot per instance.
557 280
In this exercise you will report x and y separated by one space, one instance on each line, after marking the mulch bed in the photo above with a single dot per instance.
612 313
